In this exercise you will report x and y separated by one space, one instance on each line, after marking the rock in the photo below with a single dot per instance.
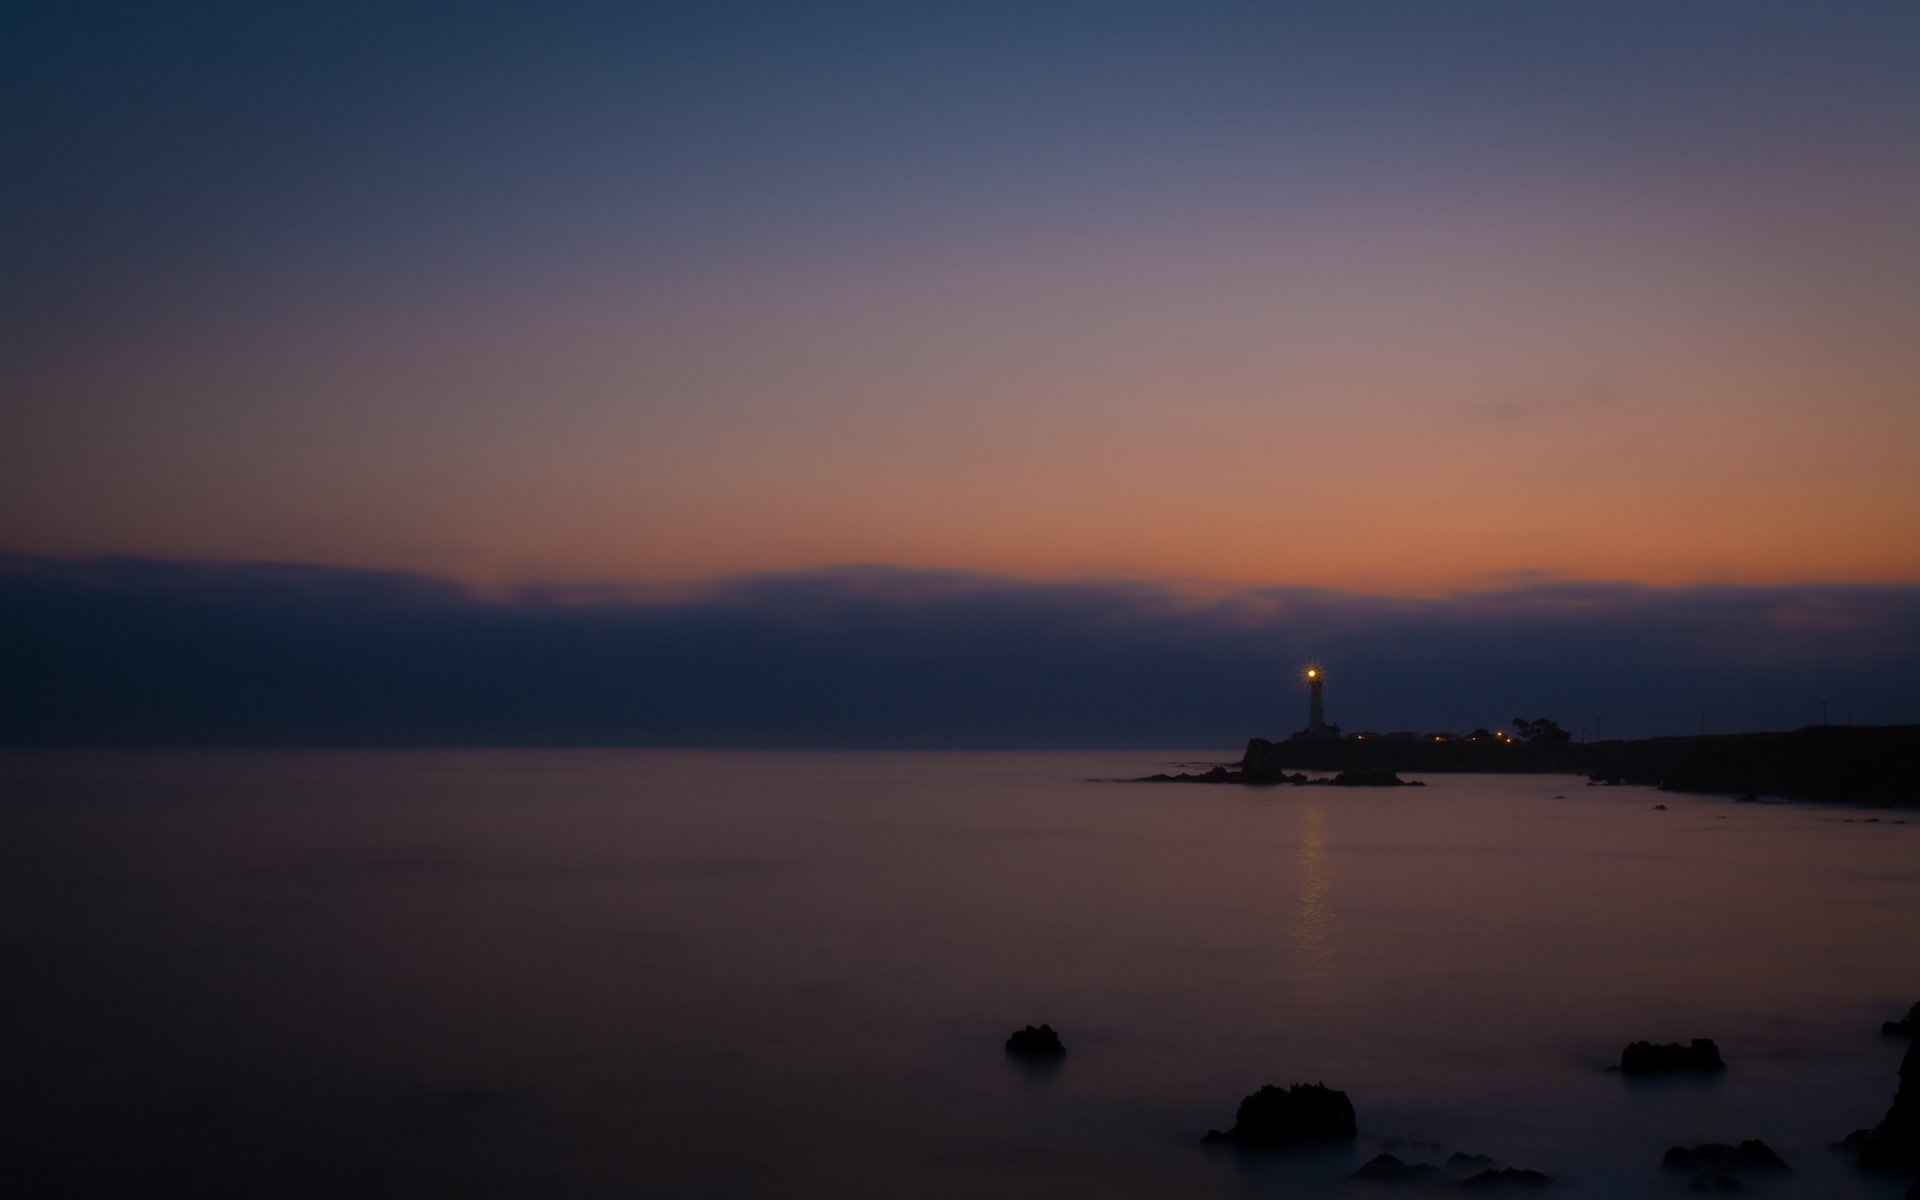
1659 808
1371 777
1216 775
1716 1183
1035 1043
1906 1026
1852 1141
1305 1114
1894 1145
1459 1161
1748 798
1720 1158
1645 1058
1387 1168
1508 1177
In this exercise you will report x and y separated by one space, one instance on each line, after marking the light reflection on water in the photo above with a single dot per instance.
1313 916
674 974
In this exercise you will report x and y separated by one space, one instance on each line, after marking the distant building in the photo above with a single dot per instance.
1317 726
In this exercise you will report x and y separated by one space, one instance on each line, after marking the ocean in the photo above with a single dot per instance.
586 973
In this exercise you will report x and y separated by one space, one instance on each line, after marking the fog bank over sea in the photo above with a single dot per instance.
699 974
123 651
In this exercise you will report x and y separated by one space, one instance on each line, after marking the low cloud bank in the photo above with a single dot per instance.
125 651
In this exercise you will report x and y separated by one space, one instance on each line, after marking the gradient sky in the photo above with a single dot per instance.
1388 296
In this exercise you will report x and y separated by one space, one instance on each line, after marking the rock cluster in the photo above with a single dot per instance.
1389 1169
1268 778
1507 1177
1645 1058
1718 1157
1305 1114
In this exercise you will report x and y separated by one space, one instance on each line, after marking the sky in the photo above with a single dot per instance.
1411 303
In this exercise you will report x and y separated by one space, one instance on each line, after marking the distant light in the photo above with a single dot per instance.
1312 674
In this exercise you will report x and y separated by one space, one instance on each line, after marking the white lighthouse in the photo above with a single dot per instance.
1317 726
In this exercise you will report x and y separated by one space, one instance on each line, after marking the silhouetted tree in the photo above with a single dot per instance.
1540 730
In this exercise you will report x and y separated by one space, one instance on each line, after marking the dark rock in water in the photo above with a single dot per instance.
1216 775
1305 1114
1718 1157
1371 777
1749 798
1508 1177
1716 1183
1645 1058
1659 808
1894 1145
1035 1043
1459 1161
1261 764
1390 1169
1906 1026
1891 1154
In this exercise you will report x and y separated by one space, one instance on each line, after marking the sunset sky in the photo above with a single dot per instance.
1400 297
998 373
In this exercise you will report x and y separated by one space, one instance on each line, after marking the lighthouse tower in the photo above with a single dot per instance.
1317 726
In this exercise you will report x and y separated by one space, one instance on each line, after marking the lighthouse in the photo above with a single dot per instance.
1317 726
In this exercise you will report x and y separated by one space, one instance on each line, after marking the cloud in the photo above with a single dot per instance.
131 651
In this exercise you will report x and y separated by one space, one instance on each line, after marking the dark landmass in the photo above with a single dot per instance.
1852 764
1646 1058
1306 1114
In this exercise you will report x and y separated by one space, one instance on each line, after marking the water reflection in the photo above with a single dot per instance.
1313 913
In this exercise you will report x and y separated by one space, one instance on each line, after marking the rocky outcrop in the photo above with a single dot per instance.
1507 1177
1306 1114
1266 775
1462 1161
1668 1058
1030 1042
1906 1026
1718 1157
1893 1146
1388 1169
1369 777
1216 775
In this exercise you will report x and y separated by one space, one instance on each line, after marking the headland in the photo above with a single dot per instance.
1850 764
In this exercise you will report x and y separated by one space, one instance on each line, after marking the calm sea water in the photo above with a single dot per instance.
640 974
